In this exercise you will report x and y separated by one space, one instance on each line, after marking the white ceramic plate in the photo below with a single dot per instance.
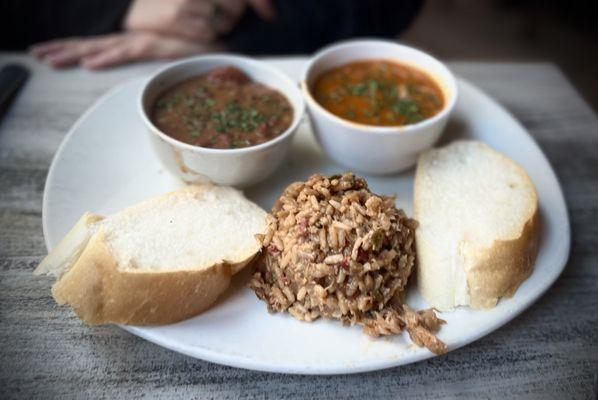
105 163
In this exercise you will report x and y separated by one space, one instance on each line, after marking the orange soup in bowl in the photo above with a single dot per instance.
378 92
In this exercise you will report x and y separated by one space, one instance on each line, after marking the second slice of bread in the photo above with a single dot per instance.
478 225
160 261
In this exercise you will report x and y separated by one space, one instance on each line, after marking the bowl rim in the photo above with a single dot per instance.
451 83
251 63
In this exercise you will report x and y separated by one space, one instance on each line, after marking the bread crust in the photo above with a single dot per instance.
100 292
491 272
499 270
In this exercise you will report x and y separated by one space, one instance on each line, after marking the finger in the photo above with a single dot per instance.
128 47
136 47
41 49
263 8
110 57
159 49
75 50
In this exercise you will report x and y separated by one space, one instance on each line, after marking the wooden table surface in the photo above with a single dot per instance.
549 352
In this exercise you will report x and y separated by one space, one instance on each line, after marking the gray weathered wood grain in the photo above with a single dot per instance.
549 352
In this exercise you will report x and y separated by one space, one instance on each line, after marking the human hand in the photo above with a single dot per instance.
110 50
197 20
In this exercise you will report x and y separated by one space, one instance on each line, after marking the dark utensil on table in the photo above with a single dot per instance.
12 78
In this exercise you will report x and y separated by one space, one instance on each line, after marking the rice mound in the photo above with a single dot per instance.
334 249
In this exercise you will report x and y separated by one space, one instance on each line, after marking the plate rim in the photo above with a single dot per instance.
237 361
63 143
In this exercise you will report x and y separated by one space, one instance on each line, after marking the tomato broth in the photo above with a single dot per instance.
378 92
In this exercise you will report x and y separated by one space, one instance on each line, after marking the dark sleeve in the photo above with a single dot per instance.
303 26
26 22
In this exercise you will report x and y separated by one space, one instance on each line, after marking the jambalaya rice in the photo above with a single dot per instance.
334 249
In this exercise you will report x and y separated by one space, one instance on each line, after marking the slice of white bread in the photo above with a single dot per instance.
478 217
160 261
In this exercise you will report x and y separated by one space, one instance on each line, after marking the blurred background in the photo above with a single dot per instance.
107 33
564 32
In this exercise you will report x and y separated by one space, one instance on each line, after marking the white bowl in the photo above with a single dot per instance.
376 149
237 167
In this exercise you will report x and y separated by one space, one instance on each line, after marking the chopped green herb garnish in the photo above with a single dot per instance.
223 112
407 108
360 89
373 86
385 93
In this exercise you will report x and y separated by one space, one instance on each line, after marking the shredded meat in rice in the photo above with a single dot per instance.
334 249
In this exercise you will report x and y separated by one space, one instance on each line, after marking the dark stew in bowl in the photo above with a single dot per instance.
222 109
378 92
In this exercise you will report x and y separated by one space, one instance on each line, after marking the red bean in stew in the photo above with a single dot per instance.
222 109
